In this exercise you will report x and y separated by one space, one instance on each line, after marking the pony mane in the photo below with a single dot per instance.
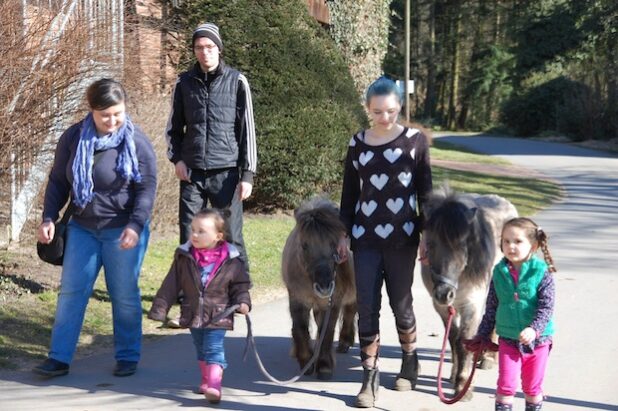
451 217
320 216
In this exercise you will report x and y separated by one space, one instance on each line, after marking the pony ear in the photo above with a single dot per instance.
471 214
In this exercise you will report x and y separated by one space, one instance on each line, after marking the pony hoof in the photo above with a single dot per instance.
325 374
487 364
343 348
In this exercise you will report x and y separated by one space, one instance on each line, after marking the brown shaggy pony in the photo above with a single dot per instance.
312 275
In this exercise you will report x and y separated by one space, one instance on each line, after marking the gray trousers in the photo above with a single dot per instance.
216 189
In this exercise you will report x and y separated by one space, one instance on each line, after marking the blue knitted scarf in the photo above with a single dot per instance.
127 165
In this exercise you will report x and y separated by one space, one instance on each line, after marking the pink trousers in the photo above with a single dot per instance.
512 363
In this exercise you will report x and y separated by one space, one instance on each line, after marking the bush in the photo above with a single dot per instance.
560 104
306 107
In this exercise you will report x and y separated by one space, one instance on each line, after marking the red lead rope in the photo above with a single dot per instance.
451 314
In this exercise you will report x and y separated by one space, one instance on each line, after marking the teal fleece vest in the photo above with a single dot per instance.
517 305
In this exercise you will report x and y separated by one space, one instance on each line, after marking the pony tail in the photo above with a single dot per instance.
542 238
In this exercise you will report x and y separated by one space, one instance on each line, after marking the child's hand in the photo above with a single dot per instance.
527 335
243 309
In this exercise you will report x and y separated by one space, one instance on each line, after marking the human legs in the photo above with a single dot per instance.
221 187
211 353
191 200
509 366
532 374
369 270
82 262
122 270
399 275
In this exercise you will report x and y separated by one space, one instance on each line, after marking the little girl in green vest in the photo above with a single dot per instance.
520 306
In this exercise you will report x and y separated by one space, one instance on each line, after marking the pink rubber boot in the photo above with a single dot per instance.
204 371
215 374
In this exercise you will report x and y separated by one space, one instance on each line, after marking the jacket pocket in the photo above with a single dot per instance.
225 322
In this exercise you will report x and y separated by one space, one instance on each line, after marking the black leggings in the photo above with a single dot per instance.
396 268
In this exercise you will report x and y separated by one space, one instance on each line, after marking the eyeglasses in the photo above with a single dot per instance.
209 49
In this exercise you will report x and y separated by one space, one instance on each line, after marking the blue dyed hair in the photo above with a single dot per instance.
383 86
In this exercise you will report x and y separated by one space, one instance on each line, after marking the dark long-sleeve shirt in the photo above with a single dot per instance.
116 202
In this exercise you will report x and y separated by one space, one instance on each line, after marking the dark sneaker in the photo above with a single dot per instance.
51 368
125 368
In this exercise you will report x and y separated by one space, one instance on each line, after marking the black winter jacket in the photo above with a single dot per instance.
211 124
229 286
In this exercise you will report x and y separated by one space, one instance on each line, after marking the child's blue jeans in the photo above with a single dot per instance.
209 345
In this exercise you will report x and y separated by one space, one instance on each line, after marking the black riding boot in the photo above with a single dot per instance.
369 391
370 348
534 407
503 407
407 377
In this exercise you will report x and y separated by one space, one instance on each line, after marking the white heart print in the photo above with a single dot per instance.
394 204
352 142
365 157
384 230
412 202
392 155
413 153
369 208
355 164
358 231
379 181
408 227
405 178
357 207
411 132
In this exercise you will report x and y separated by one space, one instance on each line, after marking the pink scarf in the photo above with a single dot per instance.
207 256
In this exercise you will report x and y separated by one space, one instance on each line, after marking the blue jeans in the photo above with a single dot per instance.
209 345
86 251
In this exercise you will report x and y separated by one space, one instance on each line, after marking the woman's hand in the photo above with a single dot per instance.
128 238
342 249
527 336
243 309
45 232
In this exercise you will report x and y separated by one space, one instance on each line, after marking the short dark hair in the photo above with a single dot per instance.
105 93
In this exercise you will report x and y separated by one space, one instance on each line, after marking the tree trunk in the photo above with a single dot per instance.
455 67
430 96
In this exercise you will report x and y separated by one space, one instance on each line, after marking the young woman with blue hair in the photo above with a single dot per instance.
386 180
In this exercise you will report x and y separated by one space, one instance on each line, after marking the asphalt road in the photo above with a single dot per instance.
582 374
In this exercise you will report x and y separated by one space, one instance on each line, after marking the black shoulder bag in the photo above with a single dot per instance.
53 252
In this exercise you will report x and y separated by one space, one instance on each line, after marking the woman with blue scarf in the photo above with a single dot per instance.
106 168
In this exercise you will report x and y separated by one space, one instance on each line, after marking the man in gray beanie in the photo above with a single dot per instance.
211 137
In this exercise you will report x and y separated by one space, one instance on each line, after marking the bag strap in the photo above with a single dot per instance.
68 212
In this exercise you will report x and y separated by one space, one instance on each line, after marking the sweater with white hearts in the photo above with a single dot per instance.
384 188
